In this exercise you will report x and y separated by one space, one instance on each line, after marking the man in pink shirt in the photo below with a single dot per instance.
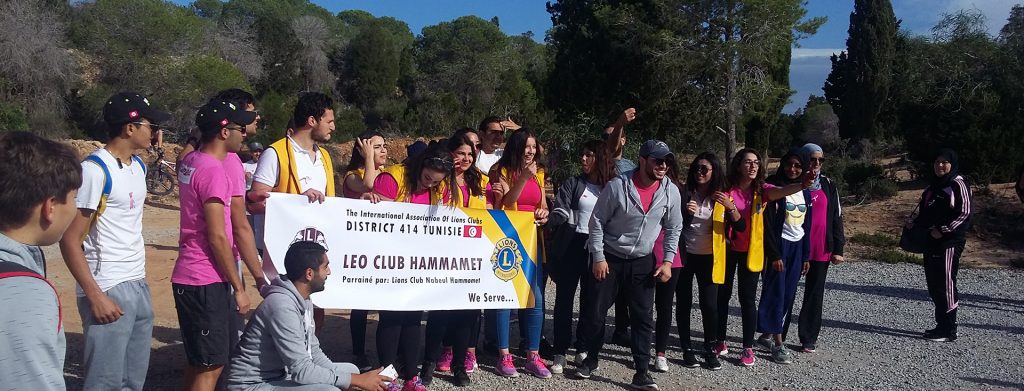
205 273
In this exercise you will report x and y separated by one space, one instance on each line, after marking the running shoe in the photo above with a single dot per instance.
712 362
507 367
414 384
580 358
558 364
444 364
808 348
661 364
643 381
721 348
690 359
535 366
470 362
780 355
748 359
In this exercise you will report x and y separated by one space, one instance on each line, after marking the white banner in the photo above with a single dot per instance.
402 257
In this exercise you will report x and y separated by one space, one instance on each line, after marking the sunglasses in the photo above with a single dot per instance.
818 160
658 162
703 170
151 125
791 207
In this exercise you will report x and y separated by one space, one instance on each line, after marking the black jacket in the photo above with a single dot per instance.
949 210
774 218
835 237
561 224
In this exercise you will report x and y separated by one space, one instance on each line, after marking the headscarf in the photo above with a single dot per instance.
938 183
780 178
806 151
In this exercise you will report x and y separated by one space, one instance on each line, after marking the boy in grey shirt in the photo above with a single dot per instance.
630 213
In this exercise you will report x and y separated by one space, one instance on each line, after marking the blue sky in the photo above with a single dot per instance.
810 64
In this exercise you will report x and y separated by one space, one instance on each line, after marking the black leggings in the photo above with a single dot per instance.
357 327
699 267
400 330
449 328
736 265
568 273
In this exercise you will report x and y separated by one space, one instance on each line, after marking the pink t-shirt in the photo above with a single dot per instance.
387 186
659 252
646 194
236 172
346 191
819 220
530 197
743 200
201 178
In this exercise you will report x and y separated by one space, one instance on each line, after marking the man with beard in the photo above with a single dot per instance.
279 349
630 213
297 164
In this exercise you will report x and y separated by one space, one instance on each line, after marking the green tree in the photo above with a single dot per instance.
860 81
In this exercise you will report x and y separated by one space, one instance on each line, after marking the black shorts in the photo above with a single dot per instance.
208 318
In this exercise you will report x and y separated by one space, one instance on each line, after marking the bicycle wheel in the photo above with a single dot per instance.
160 182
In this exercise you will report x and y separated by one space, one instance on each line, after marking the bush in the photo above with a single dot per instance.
875 240
861 178
894 256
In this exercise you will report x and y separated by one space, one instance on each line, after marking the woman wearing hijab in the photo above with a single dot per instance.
826 243
787 222
945 208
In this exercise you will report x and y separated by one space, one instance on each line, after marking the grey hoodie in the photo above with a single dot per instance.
619 225
279 344
32 344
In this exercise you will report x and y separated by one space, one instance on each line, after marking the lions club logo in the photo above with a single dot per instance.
506 260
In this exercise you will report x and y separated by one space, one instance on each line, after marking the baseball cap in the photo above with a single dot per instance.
254 146
217 114
127 106
656 149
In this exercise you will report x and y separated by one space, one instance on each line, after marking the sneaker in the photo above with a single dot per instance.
580 358
808 348
414 384
470 362
427 373
506 367
660 364
780 355
584 371
558 364
444 364
394 385
748 359
721 348
940 337
461 379
643 381
362 362
712 362
535 366
765 344
690 359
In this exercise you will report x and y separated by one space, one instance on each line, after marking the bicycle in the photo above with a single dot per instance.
160 179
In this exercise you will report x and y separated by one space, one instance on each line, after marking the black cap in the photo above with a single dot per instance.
218 114
128 106
656 149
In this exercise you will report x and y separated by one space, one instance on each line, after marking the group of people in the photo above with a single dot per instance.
635 235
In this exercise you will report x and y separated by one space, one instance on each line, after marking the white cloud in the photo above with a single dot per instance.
995 11
802 53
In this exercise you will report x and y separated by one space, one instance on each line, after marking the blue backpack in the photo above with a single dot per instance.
107 185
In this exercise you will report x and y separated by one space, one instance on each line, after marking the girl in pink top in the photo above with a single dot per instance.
518 181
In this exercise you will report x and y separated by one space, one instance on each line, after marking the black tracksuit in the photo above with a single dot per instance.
945 205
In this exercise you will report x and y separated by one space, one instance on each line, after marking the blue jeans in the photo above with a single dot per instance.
779 289
530 319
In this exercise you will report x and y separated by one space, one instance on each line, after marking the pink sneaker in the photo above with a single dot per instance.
748 359
506 367
414 384
721 348
395 385
444 364
470 362
536 367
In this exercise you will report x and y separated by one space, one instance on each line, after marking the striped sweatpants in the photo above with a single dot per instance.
941 266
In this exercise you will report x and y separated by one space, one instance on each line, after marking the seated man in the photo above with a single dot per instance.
279 350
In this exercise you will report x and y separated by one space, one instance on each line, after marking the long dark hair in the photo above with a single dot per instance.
717 176
435 157
358 160
603 169
515 147
780 178
736 171
472 175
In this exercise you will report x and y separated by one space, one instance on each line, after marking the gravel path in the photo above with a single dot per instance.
874 314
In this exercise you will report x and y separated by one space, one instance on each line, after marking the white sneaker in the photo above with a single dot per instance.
580 356
660 364
557 364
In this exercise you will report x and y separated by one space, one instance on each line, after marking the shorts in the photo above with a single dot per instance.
208 318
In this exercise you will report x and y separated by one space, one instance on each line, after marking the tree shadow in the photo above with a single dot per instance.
994 382
162 205
163 247
916 294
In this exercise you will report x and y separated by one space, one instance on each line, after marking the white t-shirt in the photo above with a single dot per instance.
114 248
308 166
250 170
796 210
698 233
484 160
586 207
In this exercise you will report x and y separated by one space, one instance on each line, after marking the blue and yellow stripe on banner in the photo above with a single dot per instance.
520 228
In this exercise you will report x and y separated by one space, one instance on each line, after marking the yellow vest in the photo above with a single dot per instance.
475 202
403 195
287 181
540 181
755 254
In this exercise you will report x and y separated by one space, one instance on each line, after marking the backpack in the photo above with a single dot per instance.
107 185
11 269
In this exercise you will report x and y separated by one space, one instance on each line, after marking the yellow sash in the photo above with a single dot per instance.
755 254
